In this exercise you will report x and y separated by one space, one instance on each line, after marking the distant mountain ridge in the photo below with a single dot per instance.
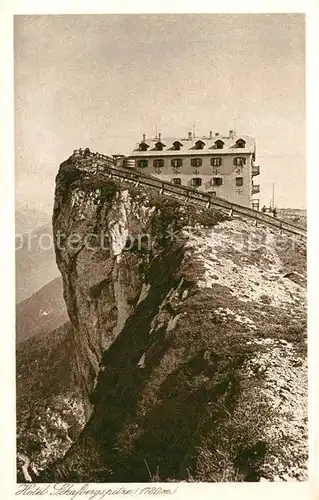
29 219
43 312
35 261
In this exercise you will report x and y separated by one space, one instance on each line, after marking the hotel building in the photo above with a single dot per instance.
221 165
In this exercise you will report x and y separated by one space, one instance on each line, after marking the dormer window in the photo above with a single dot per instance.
219 144
199 144
177 145
143 146
159 146
240 143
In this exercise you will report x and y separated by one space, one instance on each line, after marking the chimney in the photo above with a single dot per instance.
189 136
231 134
210 134
144 136
159 136
216 134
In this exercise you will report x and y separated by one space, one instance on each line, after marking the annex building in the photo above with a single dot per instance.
221 165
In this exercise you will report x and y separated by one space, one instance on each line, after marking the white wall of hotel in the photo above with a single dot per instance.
227 172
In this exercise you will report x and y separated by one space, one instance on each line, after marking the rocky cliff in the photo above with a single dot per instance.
189 334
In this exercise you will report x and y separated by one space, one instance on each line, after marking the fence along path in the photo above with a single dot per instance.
105 165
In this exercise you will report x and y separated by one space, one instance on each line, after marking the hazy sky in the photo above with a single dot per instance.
103 80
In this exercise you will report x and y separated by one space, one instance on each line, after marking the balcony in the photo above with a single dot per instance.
255 188
255 170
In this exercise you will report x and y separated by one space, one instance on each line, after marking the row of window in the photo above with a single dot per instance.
217 181
195 162
219 144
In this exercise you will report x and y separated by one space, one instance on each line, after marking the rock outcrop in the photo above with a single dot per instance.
189 335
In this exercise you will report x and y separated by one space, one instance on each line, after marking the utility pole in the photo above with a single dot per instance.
273 195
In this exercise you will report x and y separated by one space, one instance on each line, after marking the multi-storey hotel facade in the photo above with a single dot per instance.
221 165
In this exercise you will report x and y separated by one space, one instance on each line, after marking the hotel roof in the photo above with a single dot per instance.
188 146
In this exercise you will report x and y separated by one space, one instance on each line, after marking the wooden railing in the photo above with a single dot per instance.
108 168
86 153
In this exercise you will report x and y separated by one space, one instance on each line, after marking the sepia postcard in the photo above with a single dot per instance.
163 341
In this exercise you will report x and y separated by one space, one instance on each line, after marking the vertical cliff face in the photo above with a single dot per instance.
101 283
107 239
175 313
